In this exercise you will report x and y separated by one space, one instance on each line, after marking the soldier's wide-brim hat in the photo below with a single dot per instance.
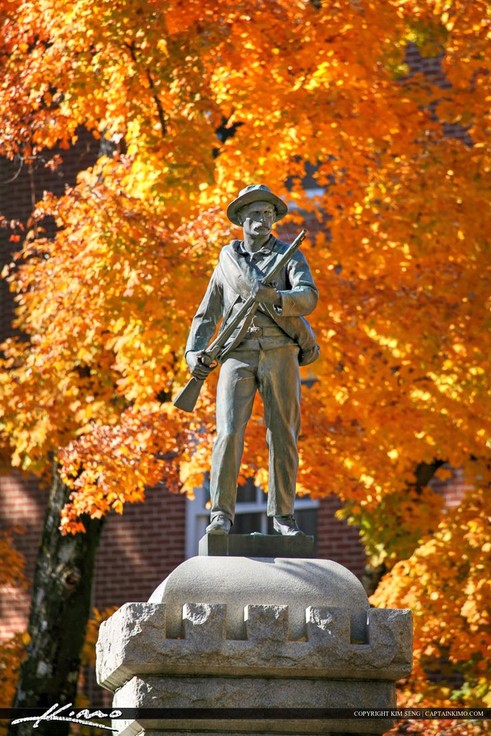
255 193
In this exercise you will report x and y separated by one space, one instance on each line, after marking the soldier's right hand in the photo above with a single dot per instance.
267 295
197 368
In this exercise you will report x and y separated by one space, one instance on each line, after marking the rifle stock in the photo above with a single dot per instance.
187 398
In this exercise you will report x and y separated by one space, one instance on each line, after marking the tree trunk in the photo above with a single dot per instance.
60 608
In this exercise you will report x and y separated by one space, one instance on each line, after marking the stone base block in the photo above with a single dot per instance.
261 728
256 694
253 692
227 732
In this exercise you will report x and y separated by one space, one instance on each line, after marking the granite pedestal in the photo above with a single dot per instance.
245 645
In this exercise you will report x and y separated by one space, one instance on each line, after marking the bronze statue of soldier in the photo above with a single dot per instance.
263 355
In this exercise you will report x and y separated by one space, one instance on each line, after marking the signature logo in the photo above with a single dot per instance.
82 716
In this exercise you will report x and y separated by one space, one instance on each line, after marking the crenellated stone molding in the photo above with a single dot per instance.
134 642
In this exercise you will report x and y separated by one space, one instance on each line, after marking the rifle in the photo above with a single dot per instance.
187 398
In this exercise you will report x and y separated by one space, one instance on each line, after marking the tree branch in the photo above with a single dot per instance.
153 90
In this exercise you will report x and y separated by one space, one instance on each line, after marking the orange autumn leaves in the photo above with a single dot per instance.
107 304
192 101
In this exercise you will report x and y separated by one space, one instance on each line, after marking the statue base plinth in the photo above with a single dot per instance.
256 545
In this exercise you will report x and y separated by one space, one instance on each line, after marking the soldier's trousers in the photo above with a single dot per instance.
275 374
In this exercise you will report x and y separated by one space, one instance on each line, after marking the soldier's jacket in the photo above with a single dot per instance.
236 277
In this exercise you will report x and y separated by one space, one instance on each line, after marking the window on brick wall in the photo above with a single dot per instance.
250 514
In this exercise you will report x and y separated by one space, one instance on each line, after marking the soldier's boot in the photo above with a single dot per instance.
219 524
286 525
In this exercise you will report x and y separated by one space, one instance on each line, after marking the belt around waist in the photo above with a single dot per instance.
256 331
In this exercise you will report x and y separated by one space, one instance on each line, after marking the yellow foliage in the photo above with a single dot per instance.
446 584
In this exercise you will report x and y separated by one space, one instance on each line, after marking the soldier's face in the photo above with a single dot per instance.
258 218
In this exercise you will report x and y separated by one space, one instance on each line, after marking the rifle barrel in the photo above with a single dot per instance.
187 398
